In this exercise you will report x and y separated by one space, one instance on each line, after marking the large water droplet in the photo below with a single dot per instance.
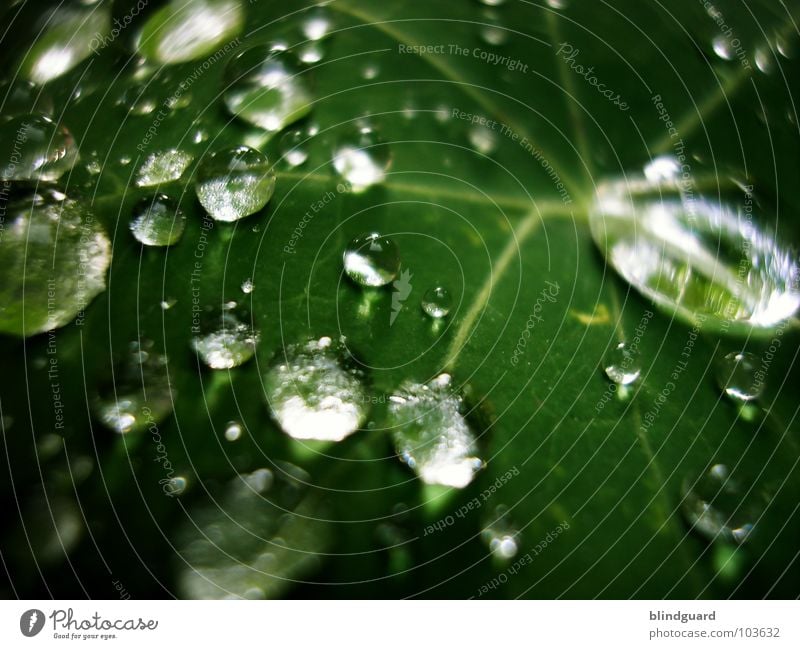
715 505
235 183
431 434
312 395
138 394
183 31
266 89
738 376
699 258
69 33
54 257
372 260
33 147
157 221
21 98
163 167
437 302
225 338
362 158
622 364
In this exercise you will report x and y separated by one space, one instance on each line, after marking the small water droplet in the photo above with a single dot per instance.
722 47
738 376
362 158
266 89
293 147
137 395
317 23
33 147
141 98
431 434
483 139
226 338
311 53
622 365
162 167
247 286
176 486
313 395
372 260
234 183
168 303
665 168
259 480
500 535
157 221
233 431
54 257
764 59
437 302
370 71
716 506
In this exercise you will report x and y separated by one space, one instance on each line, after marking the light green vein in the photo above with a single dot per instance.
440 64
524 230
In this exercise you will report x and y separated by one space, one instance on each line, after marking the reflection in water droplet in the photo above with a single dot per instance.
293 147
33 147
431 434
362 158
739 376
716 506
68 36
500 535
162 167
233 431
137 395
54 257
157 221
312 395
372 260
696 257
235 183
182 31
254 538
266 89
622 365
227 338
437 302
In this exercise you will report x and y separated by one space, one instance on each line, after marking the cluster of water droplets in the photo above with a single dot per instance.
225 337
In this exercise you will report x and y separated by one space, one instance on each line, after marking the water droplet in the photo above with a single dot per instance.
694 256
715 506
168 303
54 257
738 376
558 4
226 338
764 59
68 36
233 431
235 183
311 53
665 168
431 434
372 260
500 535
21 98
93 167
437 302
317 23
259 480
786 46
483 139
493 32
622 365
247 286
370 71
162 167
293 147
176 486
141 99
182 31
157 221
722 48
266 89
138 394
362 158
313 395
35 148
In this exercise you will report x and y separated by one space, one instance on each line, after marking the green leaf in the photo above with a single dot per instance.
496 147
